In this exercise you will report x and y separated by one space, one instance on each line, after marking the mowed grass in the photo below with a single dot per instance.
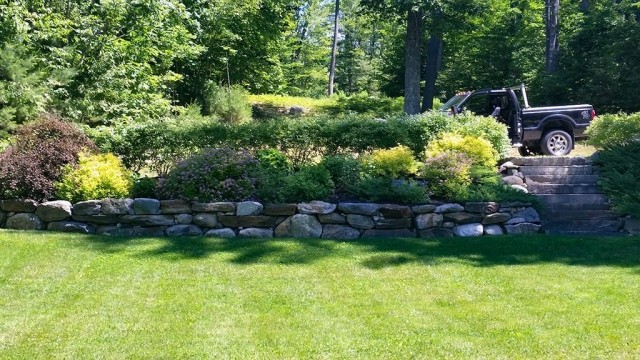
76 297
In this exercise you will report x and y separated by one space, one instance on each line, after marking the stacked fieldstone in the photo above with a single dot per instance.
317 219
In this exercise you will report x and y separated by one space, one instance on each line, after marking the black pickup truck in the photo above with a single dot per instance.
549 130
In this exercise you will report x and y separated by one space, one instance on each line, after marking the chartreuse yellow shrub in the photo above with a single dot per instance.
479 150
397 162
95 177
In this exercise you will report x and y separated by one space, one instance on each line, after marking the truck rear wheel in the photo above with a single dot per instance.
557 143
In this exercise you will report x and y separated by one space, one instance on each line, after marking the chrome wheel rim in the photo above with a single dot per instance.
558 144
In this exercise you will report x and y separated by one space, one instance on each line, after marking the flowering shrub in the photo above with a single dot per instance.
479 150
212 175
31 166
447 173
397 162
95 177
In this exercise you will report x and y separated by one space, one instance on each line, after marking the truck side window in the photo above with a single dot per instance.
478 104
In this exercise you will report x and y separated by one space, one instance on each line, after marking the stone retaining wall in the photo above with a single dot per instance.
317 219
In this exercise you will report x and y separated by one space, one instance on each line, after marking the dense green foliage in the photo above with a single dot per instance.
159 143
94 177
620 176
614 129
120 61
33 163
310 182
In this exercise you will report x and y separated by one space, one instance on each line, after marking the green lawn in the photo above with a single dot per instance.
75 297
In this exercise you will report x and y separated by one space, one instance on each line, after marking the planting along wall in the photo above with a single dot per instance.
317 219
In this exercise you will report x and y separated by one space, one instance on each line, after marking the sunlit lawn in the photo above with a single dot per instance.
541 297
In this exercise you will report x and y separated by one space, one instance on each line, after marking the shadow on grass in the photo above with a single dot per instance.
382 253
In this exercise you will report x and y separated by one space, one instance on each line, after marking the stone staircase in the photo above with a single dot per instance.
567 186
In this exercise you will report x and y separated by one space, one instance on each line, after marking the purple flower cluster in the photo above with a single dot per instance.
212 175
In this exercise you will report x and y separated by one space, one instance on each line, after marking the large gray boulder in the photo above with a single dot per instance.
333 218
71 226
482 207
361 221
224 207
493 230
358 208
316 207
449 208
90 207
341 232
206 220
256 233
391 211
117 207
54 210
300 226
529 215
463 218
497 218
249 208
183 230
184 219
144 206
25 221
175 207
468 230
222 233
15 205
426 221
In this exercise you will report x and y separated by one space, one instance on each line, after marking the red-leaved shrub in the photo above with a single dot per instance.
33 163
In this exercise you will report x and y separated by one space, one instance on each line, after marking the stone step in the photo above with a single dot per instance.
572 214
563 179
582 226
562 207
558 170
550 161
582 199
546 188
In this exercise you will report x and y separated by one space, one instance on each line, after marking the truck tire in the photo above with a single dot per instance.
557 143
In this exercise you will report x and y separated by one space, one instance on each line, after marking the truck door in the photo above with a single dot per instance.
477 103
515 118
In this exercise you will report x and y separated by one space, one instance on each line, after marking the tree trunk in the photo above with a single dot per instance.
334 48
434 58
552 8
412 63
